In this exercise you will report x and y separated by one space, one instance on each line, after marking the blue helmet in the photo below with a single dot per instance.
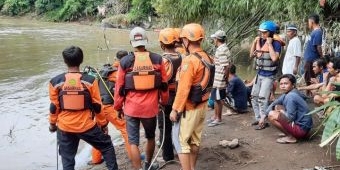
268 26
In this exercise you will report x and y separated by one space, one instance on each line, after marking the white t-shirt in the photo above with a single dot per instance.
293 50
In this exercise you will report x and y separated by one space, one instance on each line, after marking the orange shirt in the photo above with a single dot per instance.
75 121
191 73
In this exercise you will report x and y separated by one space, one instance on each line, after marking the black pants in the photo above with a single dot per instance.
168 152
68 146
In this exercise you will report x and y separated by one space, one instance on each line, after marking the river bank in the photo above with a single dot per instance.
258 150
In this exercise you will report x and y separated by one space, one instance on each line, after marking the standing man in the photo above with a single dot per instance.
75 100
222 60
141 84
293 54
190 105
172 60
313 49
266 53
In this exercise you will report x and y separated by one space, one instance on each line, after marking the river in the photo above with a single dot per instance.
30 55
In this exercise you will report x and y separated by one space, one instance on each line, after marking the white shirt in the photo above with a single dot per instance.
293 50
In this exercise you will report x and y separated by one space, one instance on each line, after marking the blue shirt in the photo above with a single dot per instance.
296 109
311 52
277 48
238 91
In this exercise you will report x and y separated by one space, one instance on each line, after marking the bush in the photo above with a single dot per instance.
2 2
43 6
17 7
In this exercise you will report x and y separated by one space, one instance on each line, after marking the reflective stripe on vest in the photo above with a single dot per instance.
143 76
73 94
263 60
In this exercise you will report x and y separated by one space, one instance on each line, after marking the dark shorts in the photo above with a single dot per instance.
218 94
133 124
293 129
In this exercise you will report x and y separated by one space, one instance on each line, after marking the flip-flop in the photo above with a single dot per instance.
260 128
255 123
282 135
215 123
229 113
285 140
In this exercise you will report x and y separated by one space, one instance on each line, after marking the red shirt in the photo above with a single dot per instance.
142 104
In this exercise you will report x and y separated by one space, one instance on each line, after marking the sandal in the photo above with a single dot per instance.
215 123
255 123
286 140
263 127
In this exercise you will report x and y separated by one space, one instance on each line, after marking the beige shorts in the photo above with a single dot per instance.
188 130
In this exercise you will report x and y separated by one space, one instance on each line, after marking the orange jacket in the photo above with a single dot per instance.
190 73
74 121
113 77
143 104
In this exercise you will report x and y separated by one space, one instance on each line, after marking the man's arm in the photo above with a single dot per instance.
274 53
119 95
275 102
319 49
184 85
296 66
96 104
164 92
54 105
253 48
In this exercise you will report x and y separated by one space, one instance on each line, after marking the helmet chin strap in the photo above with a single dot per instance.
186 47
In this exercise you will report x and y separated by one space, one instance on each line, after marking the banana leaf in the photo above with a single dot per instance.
332 127
325 106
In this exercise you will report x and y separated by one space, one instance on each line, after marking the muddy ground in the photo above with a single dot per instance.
258 150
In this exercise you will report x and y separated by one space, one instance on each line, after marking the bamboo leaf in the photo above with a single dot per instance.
330 138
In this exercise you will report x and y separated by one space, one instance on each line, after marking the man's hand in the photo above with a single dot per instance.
105 129
120 114
53 127
269 40
295 70
314 81
173 116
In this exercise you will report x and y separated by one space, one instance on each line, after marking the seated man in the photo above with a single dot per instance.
289 112
333 67
322 74
237 97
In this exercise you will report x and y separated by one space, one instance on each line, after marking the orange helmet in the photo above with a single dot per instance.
178 32
193 32
167 36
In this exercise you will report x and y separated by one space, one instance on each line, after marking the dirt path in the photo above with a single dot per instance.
258 150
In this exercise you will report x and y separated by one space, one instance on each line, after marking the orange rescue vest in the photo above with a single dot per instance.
263 60
73 94
143 75
175 63
200 92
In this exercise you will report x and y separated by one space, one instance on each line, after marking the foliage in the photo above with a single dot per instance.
141 10
331 132
2 2
16 7
42 6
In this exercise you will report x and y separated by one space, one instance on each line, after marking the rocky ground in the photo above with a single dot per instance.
257 150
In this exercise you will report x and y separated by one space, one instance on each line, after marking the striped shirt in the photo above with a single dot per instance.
222 59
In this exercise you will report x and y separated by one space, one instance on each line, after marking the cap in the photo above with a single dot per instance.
138 37
291 27
218 34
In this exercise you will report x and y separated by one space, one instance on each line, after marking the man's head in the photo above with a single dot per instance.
319 65
219 37
232 69
267 29
192 35
313 21
73 56
167 38
333 66
120 54
291 31
138 37
287 82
